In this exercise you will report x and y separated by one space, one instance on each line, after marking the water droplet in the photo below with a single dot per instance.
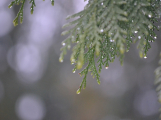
155 37
60 59
78 91
149 15
111 40
63 43
106 67
73 71
139 37
102 3
101 30
135 31
77 41
145 57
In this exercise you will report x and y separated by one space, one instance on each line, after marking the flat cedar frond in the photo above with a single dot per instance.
105 29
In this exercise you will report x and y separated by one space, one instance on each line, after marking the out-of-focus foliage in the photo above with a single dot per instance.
20 12
158 80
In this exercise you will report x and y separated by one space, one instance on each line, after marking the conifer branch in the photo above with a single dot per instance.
108 28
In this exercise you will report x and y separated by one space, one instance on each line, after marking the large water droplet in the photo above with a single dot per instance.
111 40
155 37
135 31
149 15
139 37
101 30
145 57
60 59
106 67
63 44
78 91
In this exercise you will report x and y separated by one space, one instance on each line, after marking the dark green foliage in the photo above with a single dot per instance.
105 29
20 12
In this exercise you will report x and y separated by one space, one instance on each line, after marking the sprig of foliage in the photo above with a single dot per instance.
105 29
20 12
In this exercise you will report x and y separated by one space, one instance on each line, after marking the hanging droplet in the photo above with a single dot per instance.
111 40
101 30
77 41
155 37
145 57
139 37
106 67
60 59
63 44
135 31
149 15
78 91
73 71
102 3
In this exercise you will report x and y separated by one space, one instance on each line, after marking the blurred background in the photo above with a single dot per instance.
35 86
